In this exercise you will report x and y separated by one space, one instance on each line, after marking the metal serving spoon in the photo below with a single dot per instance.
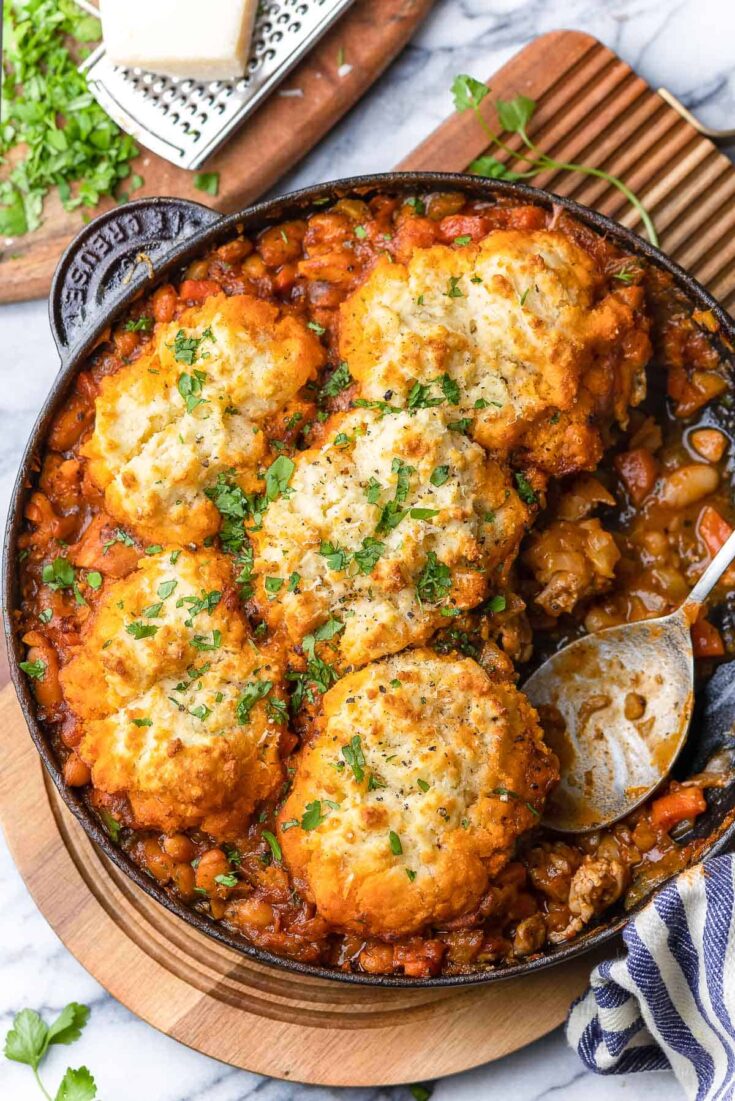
616 708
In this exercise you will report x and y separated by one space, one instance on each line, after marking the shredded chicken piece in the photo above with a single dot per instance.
571 561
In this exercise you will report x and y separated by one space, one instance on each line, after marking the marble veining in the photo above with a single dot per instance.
687 45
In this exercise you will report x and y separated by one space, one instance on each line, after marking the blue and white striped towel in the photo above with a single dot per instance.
669 1003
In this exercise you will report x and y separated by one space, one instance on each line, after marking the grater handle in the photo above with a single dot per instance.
120 251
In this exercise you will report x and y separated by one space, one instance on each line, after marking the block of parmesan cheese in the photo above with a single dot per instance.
180 38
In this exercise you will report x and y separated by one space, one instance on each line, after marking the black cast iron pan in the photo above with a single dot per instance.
125 252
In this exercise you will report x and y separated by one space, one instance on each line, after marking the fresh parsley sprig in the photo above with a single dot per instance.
30 1038
515 115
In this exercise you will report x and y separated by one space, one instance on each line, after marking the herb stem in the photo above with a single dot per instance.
41 1085
598 173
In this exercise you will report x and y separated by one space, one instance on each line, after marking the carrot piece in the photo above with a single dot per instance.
707 640
196 290
638 470
670 809
713 529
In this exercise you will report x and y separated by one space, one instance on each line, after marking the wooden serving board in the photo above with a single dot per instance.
593 107
277 136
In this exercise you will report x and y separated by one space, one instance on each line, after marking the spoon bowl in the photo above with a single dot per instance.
616 707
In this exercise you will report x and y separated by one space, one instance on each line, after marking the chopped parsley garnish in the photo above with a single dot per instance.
190 388
233 506
312 816
325 633
34 669
336 557
201 642
338 381
118 536
454 639
54 133
420 397
395 844
450 389
367 558
505 794
411 876
46 615
112 825
187 348
422 785
293 581
355 758
142 722
461 425
139 325
208 182
373 491
439 475
275 848
152 611
423 513
155 548
463 240
94 579
166 588
201 711
141 630
453 290
360 232
316 328
434 581
253 691
277 477
495 604
392 513
273 585
228 880
523 297
59 574
525 489
418 205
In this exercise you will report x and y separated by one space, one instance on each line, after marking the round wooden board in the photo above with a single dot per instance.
224 1005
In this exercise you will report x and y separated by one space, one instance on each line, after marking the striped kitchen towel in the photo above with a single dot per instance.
669 1002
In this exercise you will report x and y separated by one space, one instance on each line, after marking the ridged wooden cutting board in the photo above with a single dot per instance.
591 107
275 139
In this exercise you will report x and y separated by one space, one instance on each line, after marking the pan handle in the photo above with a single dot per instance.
117 252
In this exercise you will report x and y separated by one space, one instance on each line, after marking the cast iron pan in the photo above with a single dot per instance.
123 253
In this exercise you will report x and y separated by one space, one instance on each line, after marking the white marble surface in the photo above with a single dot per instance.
689 45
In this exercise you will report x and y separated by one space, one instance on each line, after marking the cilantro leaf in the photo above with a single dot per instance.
493 169
515 114
277 477
27 1040
253 691
33 669
434 581
338 381
355 758
77 1085
69 1024
207 182
312 816
525 489
468 93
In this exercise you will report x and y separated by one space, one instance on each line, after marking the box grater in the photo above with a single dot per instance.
186 122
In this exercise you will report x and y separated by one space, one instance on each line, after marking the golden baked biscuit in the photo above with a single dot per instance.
421 776
193 406
515 324
391 526
174 699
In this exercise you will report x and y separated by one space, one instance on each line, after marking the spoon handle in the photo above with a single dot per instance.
714 571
